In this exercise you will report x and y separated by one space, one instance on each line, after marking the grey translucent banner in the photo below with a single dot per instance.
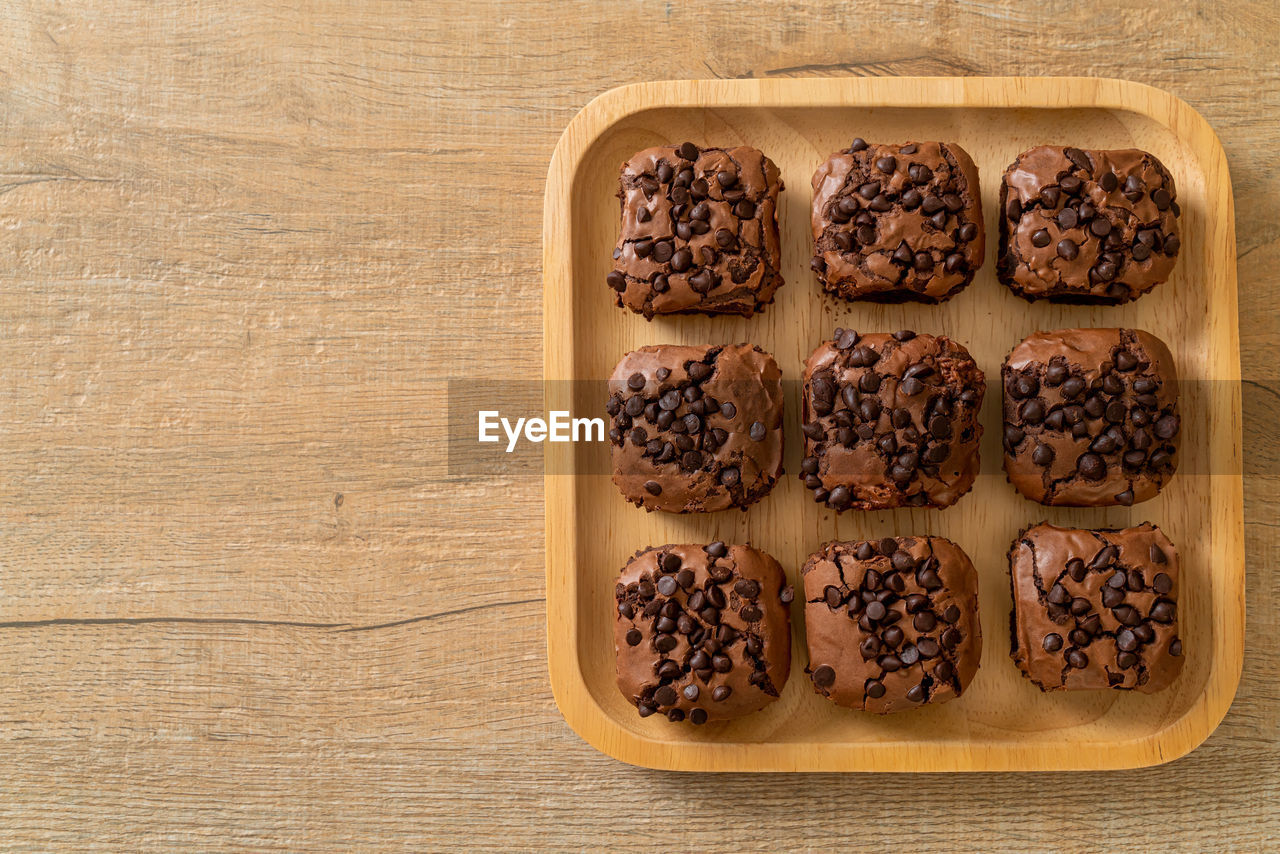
575 411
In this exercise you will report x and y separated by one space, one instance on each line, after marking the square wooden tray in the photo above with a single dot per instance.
1002 722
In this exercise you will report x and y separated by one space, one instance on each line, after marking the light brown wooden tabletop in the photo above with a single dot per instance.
244 601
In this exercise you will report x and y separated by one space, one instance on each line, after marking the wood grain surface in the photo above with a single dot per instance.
243 601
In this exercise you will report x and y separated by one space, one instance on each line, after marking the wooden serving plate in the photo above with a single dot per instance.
1002 722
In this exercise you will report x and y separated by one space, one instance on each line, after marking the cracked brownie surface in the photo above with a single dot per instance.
1095 609
891 624
699 231
897 222
702 633
1090 417
890 420
696 429
1086 226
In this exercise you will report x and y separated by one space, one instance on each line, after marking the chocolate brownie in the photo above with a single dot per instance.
890 421
891 624
702 632
699 231
897 222
696 429
1086 226
1095 609
1090 417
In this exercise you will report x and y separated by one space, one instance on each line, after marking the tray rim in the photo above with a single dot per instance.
1226 493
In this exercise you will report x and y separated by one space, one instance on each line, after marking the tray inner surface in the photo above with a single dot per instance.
1000 706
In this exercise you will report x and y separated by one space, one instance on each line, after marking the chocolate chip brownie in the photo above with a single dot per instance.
696 429
1090 417
1095 609
702 633
891 624
897 222
1086 226
699 231
890 421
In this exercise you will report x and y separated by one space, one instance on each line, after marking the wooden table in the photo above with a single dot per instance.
243 601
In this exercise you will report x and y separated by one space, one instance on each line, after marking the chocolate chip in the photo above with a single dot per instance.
1091 467
1125 361
928 579
1040 238
1067 249
1127 640
1162 583
886 164
924 621
1077 659
824 676
1104 557
688 151
681 260
1078 157
1127 615
665 695
1052 642
699 371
